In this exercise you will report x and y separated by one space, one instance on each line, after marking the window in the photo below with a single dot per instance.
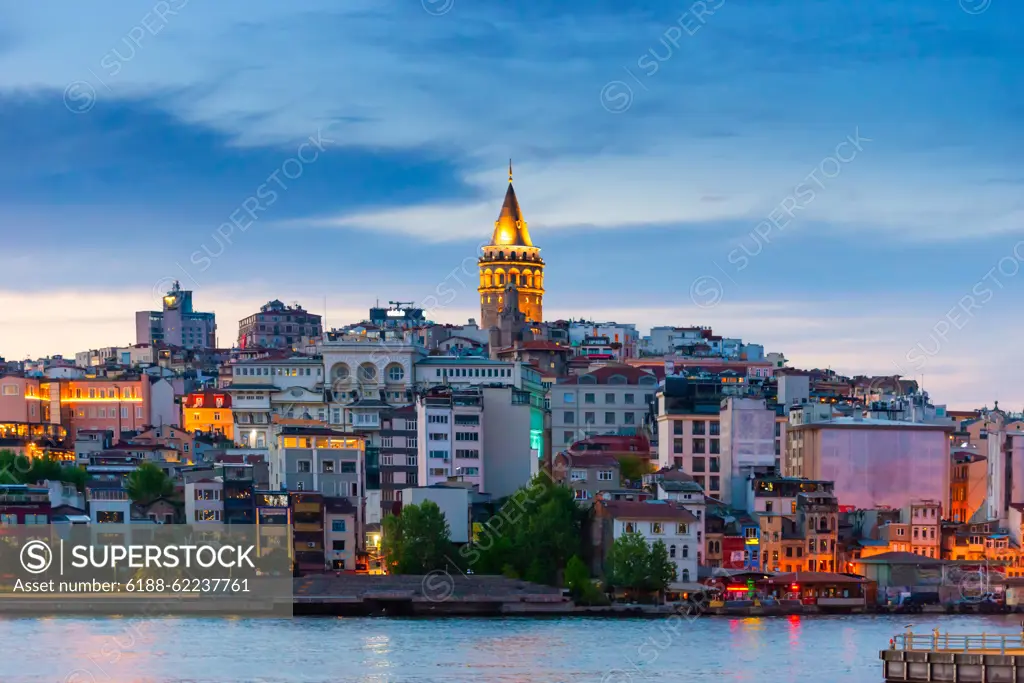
569 417
578 475
589 398
677 427
629 418
698 445
568 397
467 453
438 454
609 418
715 428
716 448
629 399
467 436
337 545
338 525
698 427
396 373
609 398
438 436
437 419
589 418
657 528
715 483
604 475
630 527
677 445
698 464
304 466
686 551
768 506
567 437
682 529
10 390
327 467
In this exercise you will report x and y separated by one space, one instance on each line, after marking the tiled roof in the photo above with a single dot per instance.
647 510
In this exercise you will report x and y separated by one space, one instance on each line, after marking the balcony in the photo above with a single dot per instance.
308 508
312 527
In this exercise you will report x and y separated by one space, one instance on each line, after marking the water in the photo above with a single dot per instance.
569 650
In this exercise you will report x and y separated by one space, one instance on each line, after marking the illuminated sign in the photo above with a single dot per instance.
396 314
272 500
751 541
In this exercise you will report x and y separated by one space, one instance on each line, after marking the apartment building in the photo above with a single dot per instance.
613 399
874 462
587 474
278 326
319 459
204 501
450 436
399 447
177 324
665 521
968 485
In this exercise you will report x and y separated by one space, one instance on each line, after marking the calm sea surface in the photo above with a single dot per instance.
766 650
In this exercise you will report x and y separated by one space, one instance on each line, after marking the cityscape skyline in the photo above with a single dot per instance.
124 155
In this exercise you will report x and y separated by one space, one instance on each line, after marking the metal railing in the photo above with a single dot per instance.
939 642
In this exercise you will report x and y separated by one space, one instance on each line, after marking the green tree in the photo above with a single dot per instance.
633 467
629 562
417 541
661 570
148 482
20 469
637 566
577 577
534 533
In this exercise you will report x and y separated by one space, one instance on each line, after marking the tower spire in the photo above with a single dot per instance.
510 170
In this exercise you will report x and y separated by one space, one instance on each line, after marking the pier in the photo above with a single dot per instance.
968 658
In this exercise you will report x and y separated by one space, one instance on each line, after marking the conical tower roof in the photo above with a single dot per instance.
510 228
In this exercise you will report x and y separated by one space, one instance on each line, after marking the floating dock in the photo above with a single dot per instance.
944 657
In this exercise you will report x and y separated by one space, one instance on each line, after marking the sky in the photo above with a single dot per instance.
840 182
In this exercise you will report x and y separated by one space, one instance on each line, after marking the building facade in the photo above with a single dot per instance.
278 326
178 324
873 462
614 399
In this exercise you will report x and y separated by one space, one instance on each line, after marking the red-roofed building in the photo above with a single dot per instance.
665 521
587 474
208 412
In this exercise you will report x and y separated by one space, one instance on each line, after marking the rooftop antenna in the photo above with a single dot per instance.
510 170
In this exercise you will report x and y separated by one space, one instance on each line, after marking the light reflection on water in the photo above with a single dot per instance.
772 650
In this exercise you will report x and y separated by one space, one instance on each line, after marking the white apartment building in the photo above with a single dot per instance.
286 387
469 371
613 399
204 501
656 520
491 436
450 436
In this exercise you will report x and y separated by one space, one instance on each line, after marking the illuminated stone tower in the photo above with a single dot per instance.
511 258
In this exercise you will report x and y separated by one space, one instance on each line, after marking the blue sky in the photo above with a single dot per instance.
658 146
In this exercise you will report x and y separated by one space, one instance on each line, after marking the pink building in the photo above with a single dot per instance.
873 462
83 404
20 399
